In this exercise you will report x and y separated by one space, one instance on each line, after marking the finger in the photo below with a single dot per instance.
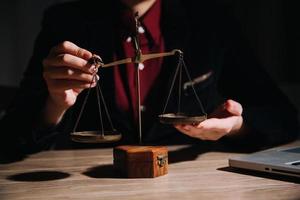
182 130
68 47
68 60
224 125
233 107
69 74
189 131
61 85
211 132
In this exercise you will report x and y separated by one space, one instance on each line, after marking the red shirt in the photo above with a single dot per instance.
151 41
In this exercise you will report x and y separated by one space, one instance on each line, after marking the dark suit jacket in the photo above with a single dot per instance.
211 42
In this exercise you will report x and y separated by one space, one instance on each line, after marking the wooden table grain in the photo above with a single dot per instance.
88 174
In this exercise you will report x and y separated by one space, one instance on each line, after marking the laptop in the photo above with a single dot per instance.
279 160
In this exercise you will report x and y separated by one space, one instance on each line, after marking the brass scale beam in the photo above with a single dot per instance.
139 58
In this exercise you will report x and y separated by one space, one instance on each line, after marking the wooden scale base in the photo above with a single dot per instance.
141 161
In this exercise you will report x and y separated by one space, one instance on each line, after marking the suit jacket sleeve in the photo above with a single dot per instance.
17 126
268 114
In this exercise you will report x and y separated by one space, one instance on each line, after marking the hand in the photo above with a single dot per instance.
225 120
67 72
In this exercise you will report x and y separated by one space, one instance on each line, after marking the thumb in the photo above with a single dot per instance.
233 107
227 109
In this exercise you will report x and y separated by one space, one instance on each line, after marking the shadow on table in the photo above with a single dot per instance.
38 176
261 174
187 153
102 171
191 152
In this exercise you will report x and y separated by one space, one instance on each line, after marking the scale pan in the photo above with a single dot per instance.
180 118
95 137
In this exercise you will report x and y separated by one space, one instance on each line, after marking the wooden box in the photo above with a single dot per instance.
141 161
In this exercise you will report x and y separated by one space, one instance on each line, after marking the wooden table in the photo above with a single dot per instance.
194 173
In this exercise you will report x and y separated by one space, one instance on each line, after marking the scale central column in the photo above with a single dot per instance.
137 62
138 95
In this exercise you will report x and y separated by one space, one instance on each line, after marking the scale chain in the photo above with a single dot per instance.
172 86
181 64
105 108
83 105
193 88
99 109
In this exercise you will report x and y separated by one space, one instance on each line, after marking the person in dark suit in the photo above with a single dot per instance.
244 106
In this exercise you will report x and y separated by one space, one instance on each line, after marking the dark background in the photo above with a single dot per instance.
269 25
